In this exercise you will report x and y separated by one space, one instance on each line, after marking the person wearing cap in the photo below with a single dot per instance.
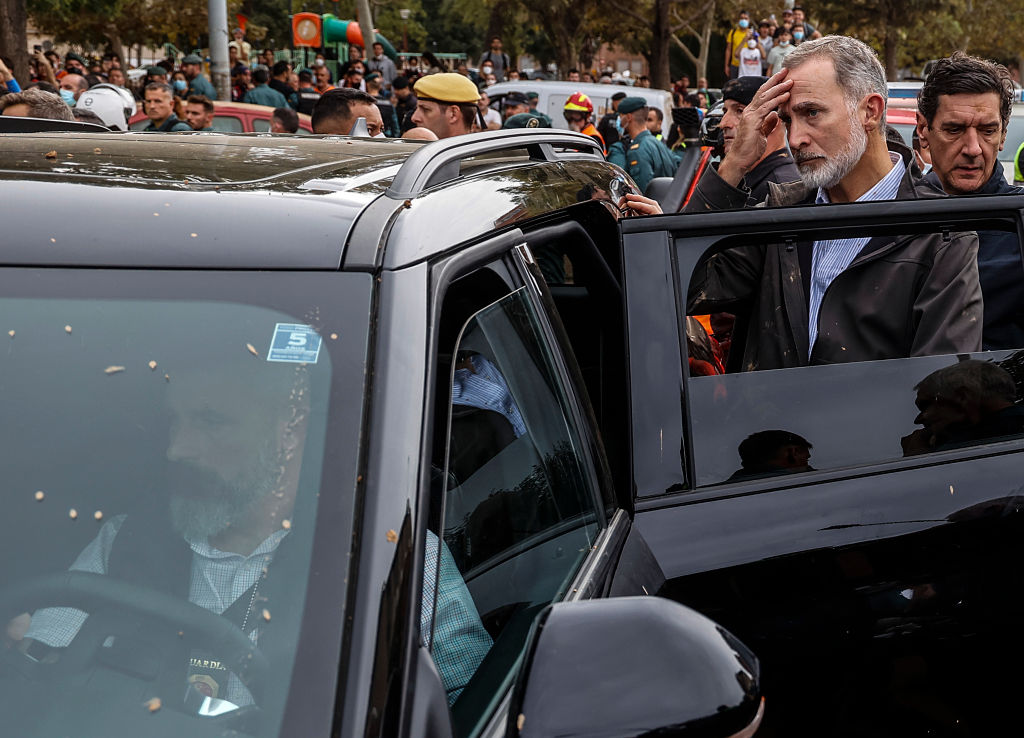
533 98
307 93
527 120
192 66
155 73
446 104
75 64
643 156
514 104
608 126
578 112
776 165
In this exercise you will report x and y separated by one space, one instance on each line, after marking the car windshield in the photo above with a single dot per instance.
162 444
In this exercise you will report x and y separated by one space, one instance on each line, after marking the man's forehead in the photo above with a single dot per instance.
974 108
813 81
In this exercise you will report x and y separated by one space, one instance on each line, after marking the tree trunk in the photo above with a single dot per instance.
890 50
661 37
705 42
14 37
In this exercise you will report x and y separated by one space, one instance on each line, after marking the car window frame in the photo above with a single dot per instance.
510 251
681 240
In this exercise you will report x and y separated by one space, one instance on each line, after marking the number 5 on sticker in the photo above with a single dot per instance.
295 343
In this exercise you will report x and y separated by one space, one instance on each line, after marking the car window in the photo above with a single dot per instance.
912 352
227 124
169 451
260 125
519 503
775 423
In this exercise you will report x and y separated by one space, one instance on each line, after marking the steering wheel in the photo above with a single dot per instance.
88 592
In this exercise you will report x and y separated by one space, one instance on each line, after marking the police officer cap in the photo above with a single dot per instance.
155 71
619 96
632 104
446 87
516 98
192 59
528 120
372 76
532 96
742 89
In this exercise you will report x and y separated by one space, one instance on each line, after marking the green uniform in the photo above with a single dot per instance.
201 86
647 158
171 124
1018 178
265 95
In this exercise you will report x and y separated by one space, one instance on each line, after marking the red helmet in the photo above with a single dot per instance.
579 102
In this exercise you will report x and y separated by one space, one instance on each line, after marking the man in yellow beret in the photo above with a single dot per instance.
447 104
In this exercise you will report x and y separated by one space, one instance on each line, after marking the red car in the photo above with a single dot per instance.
233 117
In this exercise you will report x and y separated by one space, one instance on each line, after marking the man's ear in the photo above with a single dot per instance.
873 111
452 114
922 130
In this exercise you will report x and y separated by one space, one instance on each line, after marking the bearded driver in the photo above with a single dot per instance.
579 114
222 535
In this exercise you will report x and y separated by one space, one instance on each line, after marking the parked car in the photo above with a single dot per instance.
233 117
459 385
551 97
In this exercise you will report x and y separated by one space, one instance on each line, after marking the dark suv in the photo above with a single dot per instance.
328 436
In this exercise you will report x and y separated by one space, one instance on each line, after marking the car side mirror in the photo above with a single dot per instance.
634 666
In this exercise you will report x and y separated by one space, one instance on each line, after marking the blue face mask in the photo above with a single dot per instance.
180 85
744 23
798 35
68 96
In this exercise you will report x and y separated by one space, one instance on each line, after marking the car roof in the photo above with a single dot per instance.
199 199
212 200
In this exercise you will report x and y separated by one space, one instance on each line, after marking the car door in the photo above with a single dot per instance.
522 514
869 574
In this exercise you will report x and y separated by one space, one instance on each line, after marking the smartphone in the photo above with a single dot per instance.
37 48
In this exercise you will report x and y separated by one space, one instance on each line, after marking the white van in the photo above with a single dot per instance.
552 96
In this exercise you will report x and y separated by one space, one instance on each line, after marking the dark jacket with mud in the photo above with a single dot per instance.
1000 272
901 296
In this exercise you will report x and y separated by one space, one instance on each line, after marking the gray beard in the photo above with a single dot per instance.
223 504
835 169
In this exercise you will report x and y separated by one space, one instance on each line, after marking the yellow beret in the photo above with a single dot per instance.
446 87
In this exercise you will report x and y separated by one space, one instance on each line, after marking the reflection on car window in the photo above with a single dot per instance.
227 124
169 452
519 505
260 125
797 420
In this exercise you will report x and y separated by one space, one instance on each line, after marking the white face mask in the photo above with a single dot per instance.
751 44
379 135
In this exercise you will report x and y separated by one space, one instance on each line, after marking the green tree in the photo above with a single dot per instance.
895 27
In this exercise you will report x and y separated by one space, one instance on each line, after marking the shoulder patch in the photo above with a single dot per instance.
632 163
634 146
533 123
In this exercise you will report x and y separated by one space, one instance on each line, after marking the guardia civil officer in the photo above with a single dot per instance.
640 153
446 104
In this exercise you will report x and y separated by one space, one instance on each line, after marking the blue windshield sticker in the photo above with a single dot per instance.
294 342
